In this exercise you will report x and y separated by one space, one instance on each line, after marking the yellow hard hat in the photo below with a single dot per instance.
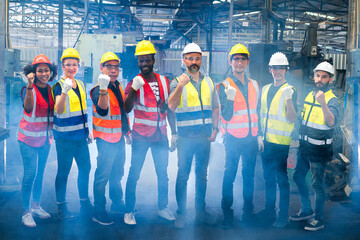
144 48
109 56
70 53
239 49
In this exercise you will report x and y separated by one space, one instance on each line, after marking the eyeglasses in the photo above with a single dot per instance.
68 65
239 59
278 67
145 60
193 58
109 66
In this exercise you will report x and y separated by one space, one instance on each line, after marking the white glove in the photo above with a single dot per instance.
103 81
138 82
230 93
173 142
287 92
260 143
67 86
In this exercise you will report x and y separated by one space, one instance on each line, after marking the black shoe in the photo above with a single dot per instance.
267 215
301 216
203 217
86 208
102 218
314 225
63 213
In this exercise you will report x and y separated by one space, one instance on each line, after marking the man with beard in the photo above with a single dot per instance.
278 115
194 101
239 126
148 93
319 117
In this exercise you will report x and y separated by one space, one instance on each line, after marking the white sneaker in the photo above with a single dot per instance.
166 213
28 220
129 218
40 213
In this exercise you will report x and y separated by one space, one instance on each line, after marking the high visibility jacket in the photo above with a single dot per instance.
36 127
194 113
244 116
313 129
274 120
109 127
147 114
70 124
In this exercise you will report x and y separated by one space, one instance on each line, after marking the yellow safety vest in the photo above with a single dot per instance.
314 129
274 120
70 124
191 115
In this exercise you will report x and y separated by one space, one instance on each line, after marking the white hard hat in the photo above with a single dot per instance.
325 66
278 59
191 48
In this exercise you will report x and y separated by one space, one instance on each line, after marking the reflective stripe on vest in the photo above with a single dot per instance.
71 119
36 128
278 128
239 124
109 127
315 141
147 115
313 127
189 114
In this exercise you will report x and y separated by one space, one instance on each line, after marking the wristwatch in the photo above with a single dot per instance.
215 128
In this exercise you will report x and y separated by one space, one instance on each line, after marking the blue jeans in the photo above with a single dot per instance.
247 148
110 168
274 160
160 153
67 150
187 148
317 169
34 159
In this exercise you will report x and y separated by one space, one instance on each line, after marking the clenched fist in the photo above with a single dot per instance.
230 93
184 79
138 82
287 92
67 86
30 77
320 97
103 81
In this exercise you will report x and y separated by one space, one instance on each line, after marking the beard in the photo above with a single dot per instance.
193 68
149 70
321 87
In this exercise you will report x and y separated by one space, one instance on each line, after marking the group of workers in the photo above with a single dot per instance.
251 120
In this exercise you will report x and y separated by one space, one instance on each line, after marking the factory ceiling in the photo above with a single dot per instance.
176 22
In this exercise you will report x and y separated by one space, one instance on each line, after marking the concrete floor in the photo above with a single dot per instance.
342 218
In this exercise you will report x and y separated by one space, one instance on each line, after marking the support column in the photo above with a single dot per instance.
231 13
60 35
3 16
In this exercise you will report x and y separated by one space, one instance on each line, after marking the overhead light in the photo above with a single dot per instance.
320 15
108 2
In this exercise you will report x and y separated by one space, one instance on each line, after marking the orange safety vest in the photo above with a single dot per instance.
109 127
147 115
238 126
36 127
